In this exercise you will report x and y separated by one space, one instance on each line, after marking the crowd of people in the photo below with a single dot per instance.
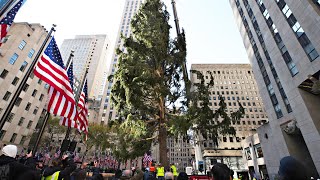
28 168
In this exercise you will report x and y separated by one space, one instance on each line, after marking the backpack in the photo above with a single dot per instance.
4 172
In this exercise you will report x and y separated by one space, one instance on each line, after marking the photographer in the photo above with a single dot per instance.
60 168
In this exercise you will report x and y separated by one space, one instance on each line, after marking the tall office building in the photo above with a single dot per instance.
282 42
180 153
89 51
17 53
106 110
234 82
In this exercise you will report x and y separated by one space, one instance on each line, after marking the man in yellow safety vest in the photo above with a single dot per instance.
59 169
160 172
174 171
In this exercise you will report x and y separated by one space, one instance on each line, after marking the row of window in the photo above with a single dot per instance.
13 137
260 62
231 92
257 150
298 30
15 56
21 120
246 87
274 31
228 77
266 53
34 93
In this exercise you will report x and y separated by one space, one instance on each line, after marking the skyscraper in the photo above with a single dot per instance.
131 8
233 82
283 45
17 53
89 51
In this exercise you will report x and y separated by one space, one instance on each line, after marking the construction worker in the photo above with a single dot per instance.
152 169
160 172
174 171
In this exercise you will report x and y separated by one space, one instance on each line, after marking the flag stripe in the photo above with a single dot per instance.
54 77
51 70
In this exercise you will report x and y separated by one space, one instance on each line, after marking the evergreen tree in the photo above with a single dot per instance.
152 97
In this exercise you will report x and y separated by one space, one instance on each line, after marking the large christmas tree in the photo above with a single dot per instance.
152 94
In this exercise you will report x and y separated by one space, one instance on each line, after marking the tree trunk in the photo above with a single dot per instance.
162 138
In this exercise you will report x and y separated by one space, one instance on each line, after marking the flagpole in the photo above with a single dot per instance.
77 101
24 80
46 117
6 7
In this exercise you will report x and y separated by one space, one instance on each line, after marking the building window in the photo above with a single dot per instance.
26 87
23 66
29 124
23 139
7 96
31 52
296 27
34 93
35 111
15 81
224 139
13 58
10 117
258 150
18 102
28 106
13 137
41 97
4 74
256 52
231 139
22 44
2 133
21 121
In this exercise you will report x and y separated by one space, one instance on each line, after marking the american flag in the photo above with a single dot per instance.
54 97
7 21
81 122
51 70
83 109
146 159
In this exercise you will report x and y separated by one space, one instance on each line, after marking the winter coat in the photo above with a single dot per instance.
79 174
68 167
18 171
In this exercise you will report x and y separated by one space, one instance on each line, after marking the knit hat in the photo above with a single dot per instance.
10 150
292 169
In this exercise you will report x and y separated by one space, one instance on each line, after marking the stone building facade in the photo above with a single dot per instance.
283 45
23 42
234 82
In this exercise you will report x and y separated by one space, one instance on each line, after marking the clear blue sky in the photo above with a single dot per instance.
211 31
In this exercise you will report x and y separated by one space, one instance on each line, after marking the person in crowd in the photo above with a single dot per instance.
126 174
10 169
80 173
174 171
291 169
146 173
28 160
138 175
220 172
182 176
96 172
168 176
160 172
60 169
152 169
117 174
